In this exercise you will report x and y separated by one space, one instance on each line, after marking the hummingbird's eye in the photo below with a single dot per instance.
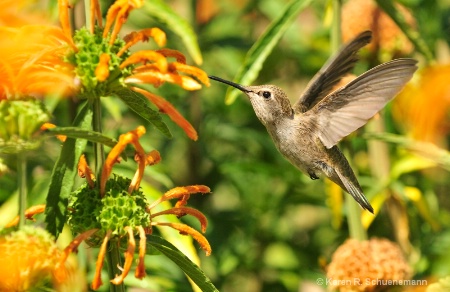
266 94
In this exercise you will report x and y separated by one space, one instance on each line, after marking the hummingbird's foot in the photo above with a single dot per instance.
312 175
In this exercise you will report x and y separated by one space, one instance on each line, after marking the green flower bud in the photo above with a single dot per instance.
116 210
19 121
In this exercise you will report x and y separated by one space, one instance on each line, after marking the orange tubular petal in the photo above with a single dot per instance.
153 158
46 126
102 70
97 281
63 9
167 108
174 54
84 171
75 243
121 17
119 12
136 181
191 70
110 17
187 230
140 269
128 257
185 82
145 56
29 213
131 39
96 13
182 211
178 192
124 139
182 201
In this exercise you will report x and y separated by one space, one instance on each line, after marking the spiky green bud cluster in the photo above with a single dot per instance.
90 47
19 121
116 210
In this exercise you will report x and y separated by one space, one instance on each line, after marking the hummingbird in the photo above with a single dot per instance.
307 132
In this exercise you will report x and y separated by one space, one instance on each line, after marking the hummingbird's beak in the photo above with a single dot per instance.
235 85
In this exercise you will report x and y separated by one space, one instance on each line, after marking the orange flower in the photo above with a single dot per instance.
367 266
40 60
32 62
388 39
117 196
29 258
14 14
422 107
115 64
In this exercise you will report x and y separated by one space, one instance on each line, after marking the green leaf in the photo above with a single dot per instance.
427 150
259 52
178 25
73 132
174 254
64 174
140 105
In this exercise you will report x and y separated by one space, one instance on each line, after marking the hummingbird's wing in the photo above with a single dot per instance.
349 107
332 72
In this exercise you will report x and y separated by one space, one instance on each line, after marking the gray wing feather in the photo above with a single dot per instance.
332 72
348 108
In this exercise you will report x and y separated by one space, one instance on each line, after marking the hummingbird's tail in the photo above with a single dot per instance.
356 192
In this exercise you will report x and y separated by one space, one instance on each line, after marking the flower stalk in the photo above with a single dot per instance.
356 228
22 181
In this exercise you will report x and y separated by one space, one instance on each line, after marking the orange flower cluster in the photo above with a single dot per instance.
29 258
32 62
388 39
366 265
422 107
148 66
181 193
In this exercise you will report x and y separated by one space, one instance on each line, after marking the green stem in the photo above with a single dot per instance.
99 152
114 261
87 12
22 181
336 35
355 226
113 254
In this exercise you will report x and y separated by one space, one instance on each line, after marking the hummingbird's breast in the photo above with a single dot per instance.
298 143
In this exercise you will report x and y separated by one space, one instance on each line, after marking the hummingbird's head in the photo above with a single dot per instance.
269 102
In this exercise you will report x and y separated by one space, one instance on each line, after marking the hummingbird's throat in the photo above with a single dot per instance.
235 85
